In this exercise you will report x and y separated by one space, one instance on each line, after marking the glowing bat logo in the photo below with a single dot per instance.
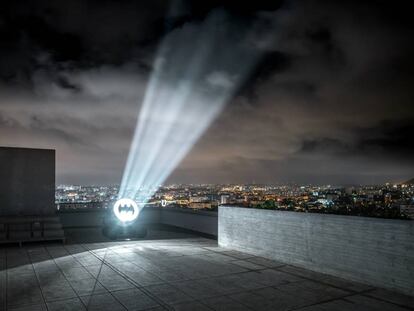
126 210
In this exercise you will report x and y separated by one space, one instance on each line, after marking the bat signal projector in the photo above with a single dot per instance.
123 222
126 210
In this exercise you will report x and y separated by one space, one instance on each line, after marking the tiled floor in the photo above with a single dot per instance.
183 273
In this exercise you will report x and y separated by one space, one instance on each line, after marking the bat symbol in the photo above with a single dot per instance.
126 210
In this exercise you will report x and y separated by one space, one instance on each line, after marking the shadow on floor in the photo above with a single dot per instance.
155 232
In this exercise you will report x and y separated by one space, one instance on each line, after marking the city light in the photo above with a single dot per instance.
197 70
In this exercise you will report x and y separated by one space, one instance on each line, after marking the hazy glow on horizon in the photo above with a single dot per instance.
197 70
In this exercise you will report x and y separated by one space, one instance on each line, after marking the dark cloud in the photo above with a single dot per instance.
320 118
79 34
388 139
85 34
270 63
331 99
64 83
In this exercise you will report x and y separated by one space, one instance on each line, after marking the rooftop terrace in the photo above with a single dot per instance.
169 270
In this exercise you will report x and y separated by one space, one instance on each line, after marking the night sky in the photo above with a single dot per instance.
330 101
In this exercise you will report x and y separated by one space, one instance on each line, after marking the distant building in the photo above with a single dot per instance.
224 199
198 199
200 205
80 206
408 210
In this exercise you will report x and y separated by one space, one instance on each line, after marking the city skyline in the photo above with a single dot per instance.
329 102
384 201
276 184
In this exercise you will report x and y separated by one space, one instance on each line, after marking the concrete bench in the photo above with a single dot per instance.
30 229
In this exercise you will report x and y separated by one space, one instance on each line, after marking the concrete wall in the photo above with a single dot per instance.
73 219
27 181
200 221
81 219
374 251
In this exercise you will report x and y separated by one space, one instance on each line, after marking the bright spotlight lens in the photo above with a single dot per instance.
126 210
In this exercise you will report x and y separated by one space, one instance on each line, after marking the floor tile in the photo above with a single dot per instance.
76 273
361 302
36 307
168 293
24 295
248 265
224 303
135 299
390 296
253 301
114 282
73 304
198 289
190 306
57 292
265 262
225 284
102 302
270 277
237 254
303 272
345 284
86 287
312 292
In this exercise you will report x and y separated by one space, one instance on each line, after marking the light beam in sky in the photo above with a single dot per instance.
197 70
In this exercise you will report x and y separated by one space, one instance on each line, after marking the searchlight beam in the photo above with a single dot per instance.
197 70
